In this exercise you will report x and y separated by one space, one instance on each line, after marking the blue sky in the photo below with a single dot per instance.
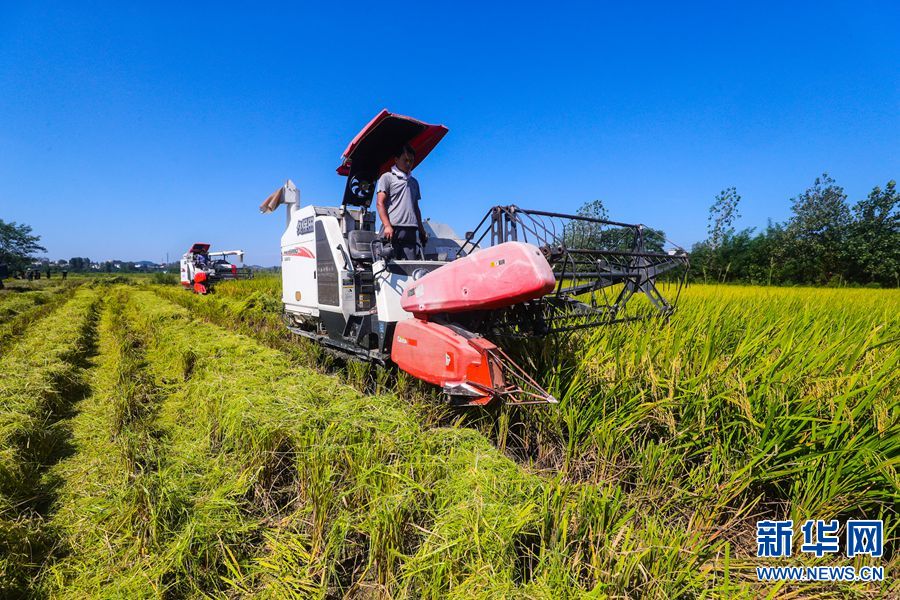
132 131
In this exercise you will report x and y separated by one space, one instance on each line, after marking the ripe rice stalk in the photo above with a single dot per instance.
41 378
750 403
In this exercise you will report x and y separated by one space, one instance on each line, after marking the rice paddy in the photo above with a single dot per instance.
21 305
154 443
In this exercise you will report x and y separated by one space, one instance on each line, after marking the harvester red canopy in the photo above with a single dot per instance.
372 150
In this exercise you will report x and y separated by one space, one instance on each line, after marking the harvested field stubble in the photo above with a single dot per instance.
107 516
341 474
751 403
202 462
22 307
253 307
41 378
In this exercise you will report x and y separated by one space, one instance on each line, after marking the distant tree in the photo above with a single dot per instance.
654 239
720 228
722 215
874 237
817 233
823 241
18 245
593 209
768 254
80 264
587 234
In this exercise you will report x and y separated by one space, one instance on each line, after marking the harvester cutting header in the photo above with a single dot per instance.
443 314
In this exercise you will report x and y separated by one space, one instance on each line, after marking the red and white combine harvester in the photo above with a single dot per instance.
201 269
520 274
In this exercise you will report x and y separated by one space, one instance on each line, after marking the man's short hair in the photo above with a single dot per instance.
405 148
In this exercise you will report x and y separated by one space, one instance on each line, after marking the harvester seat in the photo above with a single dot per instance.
360 243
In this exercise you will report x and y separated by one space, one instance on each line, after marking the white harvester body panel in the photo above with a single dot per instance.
187 271
336 292
298 262
334 285
392 281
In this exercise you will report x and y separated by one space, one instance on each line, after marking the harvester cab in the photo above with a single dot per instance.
443 316
201 269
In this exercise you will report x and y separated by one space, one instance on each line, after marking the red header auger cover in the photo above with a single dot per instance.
495 277
439 355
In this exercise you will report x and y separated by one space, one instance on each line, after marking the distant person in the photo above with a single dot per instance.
398 198
29 275
65 272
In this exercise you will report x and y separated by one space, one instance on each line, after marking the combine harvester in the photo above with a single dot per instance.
201 269
521 274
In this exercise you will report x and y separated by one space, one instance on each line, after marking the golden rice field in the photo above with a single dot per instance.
154 443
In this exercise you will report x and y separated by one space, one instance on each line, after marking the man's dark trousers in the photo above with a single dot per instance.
404 243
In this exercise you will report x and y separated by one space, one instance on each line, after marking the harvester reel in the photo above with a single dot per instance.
599 267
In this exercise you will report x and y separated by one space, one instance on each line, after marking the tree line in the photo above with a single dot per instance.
826 241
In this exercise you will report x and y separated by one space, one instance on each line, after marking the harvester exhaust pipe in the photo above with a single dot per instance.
287 194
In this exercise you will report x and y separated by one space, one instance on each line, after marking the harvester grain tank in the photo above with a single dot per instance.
444 316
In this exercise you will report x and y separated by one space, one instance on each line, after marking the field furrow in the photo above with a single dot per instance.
19 310
41 378
111 518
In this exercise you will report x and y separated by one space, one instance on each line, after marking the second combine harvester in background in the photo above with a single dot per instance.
201 269
442 317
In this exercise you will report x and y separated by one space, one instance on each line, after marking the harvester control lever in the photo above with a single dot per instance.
348 264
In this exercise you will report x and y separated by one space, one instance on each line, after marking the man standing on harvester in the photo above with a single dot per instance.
398 205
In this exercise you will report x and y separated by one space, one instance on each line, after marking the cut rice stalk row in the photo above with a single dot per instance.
347 493
41 378
19 310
